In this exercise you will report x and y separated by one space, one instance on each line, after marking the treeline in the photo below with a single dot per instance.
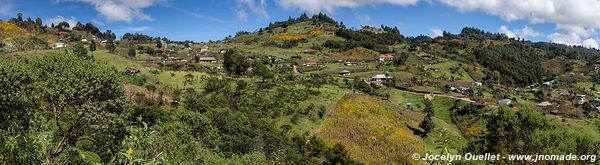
572 52
317 18
38 26
28 24
480 35
513 64
375 41
523 132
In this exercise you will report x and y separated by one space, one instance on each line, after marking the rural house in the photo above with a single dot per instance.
59 45
310 64
385 57
345 72
207 59
379 78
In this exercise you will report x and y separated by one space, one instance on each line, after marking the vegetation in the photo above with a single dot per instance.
301 91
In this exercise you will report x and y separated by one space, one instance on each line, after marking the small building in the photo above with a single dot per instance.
598 108
84 40
59 45
452 89
462 89
350 63
310 64
207 59
204 48
548 83
580 97
386 57
63 33
557 112
478 84
345 72
379 78
504 102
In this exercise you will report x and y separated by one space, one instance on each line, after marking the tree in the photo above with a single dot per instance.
159 43
93 46
110 46
401 59
427 124
262 70
131 53
78 50
234 63
84 99
317 80
338 155
63 25
17 113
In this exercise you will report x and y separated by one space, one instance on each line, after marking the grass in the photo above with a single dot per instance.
119 62
330 96
176 79
586 127
444 71
173 79
441 107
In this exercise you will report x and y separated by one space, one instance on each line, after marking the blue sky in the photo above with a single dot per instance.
570 22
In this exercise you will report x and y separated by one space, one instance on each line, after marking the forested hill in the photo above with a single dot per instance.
519 62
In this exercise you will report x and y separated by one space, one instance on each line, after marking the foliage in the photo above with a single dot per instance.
17 115
84 98
234 63
131 52
365 127
518 64
78 50
427 124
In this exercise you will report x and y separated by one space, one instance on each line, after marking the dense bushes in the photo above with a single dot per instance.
517 64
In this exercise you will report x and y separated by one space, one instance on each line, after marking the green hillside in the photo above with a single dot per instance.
277 96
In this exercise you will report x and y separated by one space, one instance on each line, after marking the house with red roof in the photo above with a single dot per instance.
386 57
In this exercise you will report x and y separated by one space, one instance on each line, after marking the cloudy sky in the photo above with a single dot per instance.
573 22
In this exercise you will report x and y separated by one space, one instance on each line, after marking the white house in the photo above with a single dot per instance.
84 40
60 45
379 78
204 48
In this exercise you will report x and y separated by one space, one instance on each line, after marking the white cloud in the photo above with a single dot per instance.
574 16
520 33
567 39
364 19
120 10
241 14
330 5
256 7
508 32
436 32
134 29
590 43
6 7
529 32
72 21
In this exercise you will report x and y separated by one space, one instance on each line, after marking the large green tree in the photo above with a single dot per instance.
17 115
85 100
